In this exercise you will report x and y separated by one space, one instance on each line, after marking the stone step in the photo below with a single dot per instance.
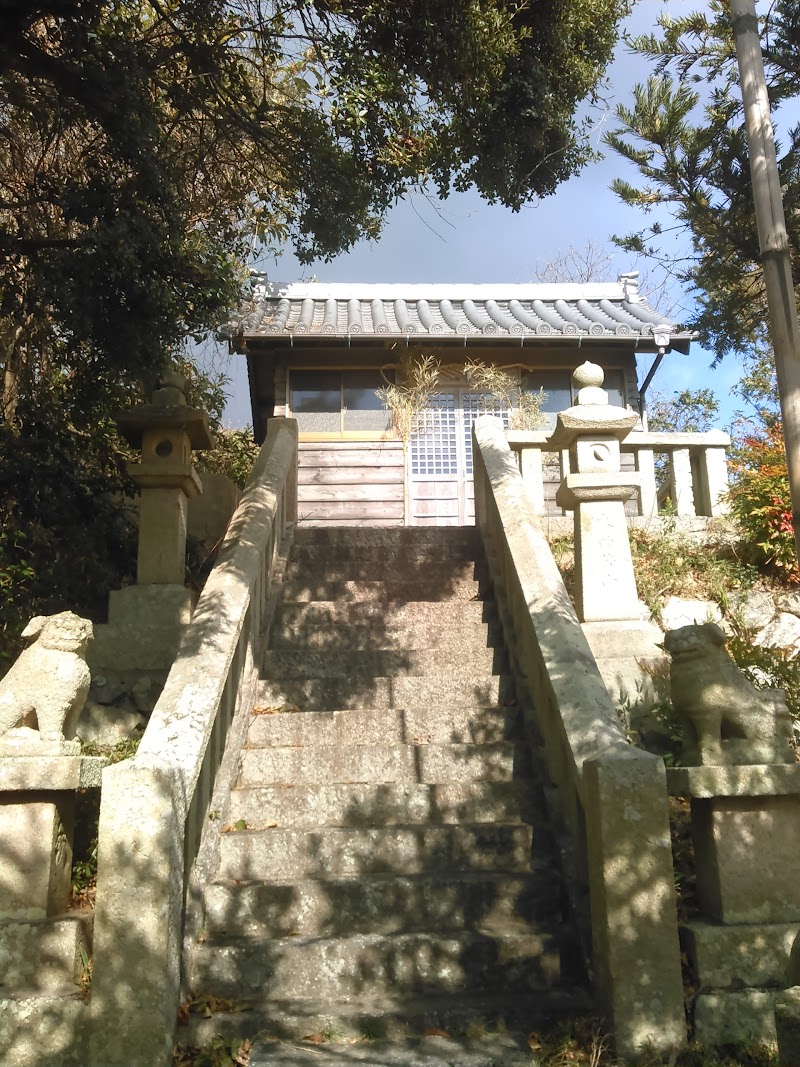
380 567
308 807
395 1018
277 854
382 904
379 634
313 663
391 617
415 726
304 590
44 1029
508 1050
499 761
40 955
371 965
338 694
440 541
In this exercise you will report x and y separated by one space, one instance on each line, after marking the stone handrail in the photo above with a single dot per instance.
155 805
697 474
612 797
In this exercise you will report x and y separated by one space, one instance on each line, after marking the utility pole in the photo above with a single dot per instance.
772 238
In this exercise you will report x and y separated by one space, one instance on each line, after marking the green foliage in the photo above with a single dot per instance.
686 411
116 753
767 668
65 538
148 149
759 501
672 564
684 134
234 455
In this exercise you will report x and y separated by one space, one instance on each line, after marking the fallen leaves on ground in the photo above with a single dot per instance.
242 824
218 1053
206 1004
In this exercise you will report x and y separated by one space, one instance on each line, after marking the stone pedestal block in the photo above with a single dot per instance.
141 605
739 956
36 860
162 537
144 630
747 862
745 1017
787 1026
634 922
605 588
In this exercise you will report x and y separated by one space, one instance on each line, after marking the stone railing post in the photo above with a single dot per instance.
533 477
648 491
631 889
138 916
680 482
712 481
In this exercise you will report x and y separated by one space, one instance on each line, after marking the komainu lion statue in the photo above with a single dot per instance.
48 683
728 720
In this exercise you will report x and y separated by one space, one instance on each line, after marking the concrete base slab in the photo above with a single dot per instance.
633 667
730 957
140 605
744 1017
43 954
504 1050
43 1030
36 862
626 640
787 1025
130 646
747 872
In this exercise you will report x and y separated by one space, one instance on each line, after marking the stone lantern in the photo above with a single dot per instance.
166 430
605 589
135 649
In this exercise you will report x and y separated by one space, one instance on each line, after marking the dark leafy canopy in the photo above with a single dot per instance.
147 146
685 134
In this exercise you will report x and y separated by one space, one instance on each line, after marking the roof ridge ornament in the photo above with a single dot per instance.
630 286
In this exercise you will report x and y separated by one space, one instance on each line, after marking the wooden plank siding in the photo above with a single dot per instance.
349 483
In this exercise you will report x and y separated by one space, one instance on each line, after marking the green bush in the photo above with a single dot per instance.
759 501
672 564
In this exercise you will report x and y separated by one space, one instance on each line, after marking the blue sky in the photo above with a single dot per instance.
466 240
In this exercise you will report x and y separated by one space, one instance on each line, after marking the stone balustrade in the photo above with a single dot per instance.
155 806
695 481
612 797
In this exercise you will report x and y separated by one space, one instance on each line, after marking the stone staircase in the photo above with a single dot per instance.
43 967
388 867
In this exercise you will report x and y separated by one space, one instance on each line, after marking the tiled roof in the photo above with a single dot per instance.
442 312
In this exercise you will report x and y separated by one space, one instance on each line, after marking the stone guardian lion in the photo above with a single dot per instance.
48 683
727 720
